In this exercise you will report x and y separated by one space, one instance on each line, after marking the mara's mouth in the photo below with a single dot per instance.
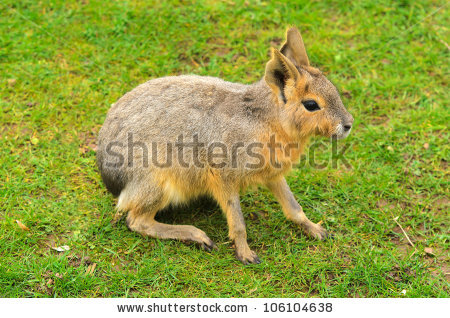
341 132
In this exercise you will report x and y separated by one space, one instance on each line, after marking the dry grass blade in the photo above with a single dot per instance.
404 232
22 226
91 268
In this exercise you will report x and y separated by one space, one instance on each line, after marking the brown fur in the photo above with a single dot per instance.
272 111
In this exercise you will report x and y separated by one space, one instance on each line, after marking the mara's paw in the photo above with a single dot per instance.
202 240
208 245
247 256
317 231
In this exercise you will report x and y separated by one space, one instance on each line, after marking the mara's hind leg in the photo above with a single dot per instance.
142 220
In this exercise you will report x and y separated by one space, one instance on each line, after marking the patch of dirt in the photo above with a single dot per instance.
14 130
47 287
444 165
88 140
8 129
382 203
380 120
120 265
75 260
401 242
398 274
216 40
441 203
443 269
239 58
416 196
276 42
257 215
346 94
133 292
49 279
222 51
219 46
439 262
49 242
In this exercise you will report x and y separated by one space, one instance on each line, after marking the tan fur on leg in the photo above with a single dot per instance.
145 224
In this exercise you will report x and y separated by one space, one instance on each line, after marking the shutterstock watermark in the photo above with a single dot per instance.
332 149
192 152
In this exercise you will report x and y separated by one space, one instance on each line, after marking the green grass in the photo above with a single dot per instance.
63 63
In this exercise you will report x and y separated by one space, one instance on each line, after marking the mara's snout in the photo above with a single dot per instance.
344 127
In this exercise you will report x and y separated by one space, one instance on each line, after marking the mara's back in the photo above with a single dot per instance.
165 107
163 113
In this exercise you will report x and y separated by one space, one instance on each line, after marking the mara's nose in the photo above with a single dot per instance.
348 124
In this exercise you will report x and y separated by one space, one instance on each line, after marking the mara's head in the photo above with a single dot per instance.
311 103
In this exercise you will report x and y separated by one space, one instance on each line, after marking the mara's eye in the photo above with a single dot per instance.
311 105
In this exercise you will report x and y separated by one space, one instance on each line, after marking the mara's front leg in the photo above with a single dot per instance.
293 211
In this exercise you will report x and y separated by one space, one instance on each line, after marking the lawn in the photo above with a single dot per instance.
63 63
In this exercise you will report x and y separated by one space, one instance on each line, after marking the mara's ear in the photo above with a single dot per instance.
280 72
294 48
